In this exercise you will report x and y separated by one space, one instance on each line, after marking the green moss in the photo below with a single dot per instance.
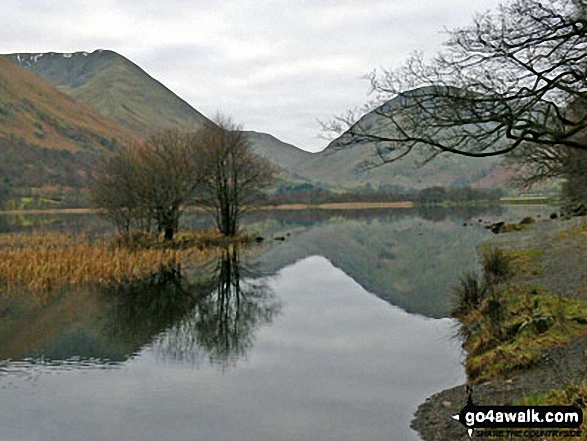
530 322
525 262
563 396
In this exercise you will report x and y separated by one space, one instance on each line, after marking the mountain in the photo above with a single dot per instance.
46 137
115 87
342 162
286 155
338 166
119 89
344 168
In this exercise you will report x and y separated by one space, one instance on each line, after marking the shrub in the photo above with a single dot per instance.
469 292
497 266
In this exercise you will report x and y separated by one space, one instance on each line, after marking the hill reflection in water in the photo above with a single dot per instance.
408 258
295 344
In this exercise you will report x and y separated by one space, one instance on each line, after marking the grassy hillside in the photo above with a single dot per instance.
278 152
343 161
344 167
46 137
115 87
112 85
342 164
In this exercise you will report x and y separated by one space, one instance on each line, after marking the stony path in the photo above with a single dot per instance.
564 262
563 270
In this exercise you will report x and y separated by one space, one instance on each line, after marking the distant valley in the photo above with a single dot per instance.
79 105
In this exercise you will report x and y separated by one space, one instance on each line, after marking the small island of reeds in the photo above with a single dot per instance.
42 263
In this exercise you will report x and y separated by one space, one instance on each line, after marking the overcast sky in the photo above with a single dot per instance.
273 66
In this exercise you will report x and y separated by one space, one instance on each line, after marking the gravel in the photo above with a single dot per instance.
563 271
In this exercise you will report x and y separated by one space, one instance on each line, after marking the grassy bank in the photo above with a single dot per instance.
523 322
507 324
515 324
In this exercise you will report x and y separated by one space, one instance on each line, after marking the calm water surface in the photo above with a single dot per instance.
305 342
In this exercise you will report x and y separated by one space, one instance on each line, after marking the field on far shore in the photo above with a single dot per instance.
330 206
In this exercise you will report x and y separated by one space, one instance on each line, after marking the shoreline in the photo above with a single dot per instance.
325 206
328 206
562 247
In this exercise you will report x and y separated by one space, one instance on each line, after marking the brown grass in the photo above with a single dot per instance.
29 97
44 263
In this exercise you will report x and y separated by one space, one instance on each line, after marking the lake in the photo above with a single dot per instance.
337 332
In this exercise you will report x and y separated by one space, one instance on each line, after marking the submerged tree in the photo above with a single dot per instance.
513 81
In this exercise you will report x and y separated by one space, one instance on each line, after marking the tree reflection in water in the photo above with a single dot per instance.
214 313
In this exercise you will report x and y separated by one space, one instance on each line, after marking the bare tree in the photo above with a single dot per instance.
516 79
115 188
147 185
168 166
231 177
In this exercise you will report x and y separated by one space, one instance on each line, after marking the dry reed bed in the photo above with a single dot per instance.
43 263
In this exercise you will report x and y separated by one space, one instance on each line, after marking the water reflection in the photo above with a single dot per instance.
339 363
213 312
410 258
464 213
209 312
71 223
310 217
223 323
410 262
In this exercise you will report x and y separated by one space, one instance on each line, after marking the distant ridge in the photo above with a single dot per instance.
286 156
345 164
46 137
115 87
342 165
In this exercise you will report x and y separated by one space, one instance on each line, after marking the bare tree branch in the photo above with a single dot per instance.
516 79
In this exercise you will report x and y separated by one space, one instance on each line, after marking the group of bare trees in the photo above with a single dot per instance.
146 186
514 82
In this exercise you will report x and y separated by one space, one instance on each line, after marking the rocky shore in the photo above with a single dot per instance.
560 250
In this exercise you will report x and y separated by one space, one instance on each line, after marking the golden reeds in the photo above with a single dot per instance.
42 263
